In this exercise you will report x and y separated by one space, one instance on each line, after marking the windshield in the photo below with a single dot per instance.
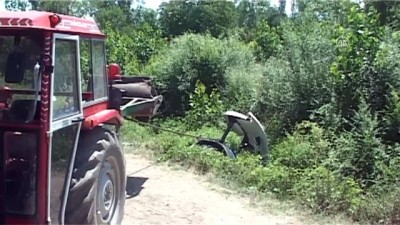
27 46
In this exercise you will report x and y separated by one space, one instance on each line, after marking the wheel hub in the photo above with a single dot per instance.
106 194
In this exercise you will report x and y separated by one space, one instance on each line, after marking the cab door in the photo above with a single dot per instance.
66 107
65 121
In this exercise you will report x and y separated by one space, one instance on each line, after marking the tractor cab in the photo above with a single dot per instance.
56 97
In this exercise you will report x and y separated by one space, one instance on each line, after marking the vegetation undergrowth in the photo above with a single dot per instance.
327 172
245 174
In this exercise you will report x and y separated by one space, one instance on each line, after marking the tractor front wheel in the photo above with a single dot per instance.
97 191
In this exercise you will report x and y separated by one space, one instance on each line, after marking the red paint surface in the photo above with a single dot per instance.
19 221
21 126
44 144
93 109
87 96
41 20
109 115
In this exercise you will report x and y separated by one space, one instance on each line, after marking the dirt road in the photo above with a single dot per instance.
159 194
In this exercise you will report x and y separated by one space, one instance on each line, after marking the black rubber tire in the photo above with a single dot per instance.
218 146
95 148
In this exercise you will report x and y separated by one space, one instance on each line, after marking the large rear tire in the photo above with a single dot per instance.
97 190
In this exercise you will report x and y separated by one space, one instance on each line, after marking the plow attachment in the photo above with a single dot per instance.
142 107
247 126
138 97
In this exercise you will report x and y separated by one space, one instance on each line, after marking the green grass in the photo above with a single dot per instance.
269 188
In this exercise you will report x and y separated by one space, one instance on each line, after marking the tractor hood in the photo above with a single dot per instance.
251 129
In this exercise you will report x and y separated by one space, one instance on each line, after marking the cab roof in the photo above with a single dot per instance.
41 20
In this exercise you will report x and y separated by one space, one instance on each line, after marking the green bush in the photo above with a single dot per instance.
205 109
325 192
306 148
134 49
267 41
388 65
360 153
380 207
296 80
216 63
275 179
354 69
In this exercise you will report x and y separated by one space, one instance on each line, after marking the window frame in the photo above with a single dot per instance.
105 97
68 119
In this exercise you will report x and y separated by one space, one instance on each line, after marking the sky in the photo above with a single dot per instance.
155 3
2 5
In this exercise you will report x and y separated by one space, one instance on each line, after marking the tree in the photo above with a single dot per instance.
67 7
247 16
16 5
197 16
388 11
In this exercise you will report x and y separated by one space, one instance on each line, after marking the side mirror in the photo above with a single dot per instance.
15 68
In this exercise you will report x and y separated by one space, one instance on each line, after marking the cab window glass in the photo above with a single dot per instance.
65 96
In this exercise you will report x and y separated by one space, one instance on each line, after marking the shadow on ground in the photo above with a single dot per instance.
134 185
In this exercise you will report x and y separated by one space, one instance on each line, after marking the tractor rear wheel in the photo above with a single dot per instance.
97 190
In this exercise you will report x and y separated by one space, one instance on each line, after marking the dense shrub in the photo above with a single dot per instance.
205 109
380 207
132 50
267 41
296 81
360 153
216 63
306 148
324 191
354 71
388 64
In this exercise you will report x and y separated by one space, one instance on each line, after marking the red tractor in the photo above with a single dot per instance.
61 109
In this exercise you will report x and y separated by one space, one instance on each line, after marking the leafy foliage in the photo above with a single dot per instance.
205 109
216 63
300 84
353 68
197 16
132 54
323 191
